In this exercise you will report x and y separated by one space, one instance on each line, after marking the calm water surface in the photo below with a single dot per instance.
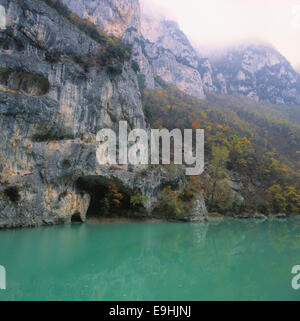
232 260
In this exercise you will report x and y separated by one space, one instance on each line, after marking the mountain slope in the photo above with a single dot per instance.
161 49
261 171
124 20
259 72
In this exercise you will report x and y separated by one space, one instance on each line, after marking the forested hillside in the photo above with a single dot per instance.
258 144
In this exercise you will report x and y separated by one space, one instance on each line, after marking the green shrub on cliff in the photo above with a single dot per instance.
135 66
115 69
170 204
137 203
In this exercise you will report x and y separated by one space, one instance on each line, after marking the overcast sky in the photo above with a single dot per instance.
222 22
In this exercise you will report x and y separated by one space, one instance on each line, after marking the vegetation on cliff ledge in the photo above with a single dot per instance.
113 52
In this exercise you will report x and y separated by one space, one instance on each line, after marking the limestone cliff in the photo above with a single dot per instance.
167 34
173 58
51 108
112 16
166 59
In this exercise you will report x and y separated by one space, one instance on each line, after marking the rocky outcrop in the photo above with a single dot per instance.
206 72
51 109
167 34
139 54
166 66
170 53
121 19
114 17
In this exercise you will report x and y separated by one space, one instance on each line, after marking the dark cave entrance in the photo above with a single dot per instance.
109 197
22 81
76 218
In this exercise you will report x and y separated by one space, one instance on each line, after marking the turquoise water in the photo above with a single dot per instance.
232 260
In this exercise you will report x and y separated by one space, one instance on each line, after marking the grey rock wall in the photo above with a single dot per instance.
50 113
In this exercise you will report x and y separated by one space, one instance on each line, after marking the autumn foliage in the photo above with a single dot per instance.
240 137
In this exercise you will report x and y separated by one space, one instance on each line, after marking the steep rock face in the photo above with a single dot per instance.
166 66
206 72
170 53
180 63
50 112
168 35
139 54
112 16
177 65
121 19
48 131
259 72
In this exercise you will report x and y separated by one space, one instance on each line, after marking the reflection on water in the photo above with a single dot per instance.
232 260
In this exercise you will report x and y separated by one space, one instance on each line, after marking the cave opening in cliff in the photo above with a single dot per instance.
109 197
23 82
76 218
